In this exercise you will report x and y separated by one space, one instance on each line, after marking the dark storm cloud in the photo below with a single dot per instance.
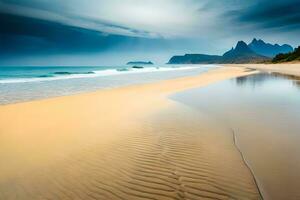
25 35
144 18
266 14
55 26
53 11
41 27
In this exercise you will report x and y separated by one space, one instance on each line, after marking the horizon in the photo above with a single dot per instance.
106 32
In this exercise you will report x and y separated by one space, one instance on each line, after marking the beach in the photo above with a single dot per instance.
220 134
263 111
149 100
283 68
124 143
20 84
267 124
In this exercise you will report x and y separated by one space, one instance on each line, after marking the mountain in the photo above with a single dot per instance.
140 63
288 57
267 49
242 54
195 59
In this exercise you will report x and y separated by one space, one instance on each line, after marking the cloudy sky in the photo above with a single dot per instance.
93 31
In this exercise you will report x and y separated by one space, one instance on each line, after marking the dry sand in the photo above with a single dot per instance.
125 143
284 68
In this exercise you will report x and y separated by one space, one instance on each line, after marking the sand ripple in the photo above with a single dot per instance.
175 154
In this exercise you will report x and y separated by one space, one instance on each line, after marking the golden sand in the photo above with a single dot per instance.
124 143
284 68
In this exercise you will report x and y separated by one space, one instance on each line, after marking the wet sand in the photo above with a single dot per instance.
272 144
125 143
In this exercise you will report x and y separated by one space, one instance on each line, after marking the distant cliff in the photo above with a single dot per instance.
267 49
240 54
288 57
140 63
194 59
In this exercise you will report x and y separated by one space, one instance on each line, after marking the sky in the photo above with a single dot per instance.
104 32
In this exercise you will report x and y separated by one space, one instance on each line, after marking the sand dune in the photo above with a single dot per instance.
126 143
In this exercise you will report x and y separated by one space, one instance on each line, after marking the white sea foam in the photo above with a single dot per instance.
99 73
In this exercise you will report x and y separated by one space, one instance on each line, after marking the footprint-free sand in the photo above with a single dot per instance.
125 143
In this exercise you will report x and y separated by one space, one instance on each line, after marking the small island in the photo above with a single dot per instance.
137 67
140 63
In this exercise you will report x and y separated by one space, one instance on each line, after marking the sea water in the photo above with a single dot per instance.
18 84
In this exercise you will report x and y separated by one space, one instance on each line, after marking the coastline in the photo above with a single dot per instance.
49 82
292 69
149 100
68 144
260 112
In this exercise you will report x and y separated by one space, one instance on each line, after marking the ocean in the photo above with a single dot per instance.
19 83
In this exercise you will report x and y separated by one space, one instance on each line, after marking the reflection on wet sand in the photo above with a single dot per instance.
259 79
263 110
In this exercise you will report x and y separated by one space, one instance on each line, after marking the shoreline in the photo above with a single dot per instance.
46 135
292 69
186 82
281 68
16 91
133 138
253 123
